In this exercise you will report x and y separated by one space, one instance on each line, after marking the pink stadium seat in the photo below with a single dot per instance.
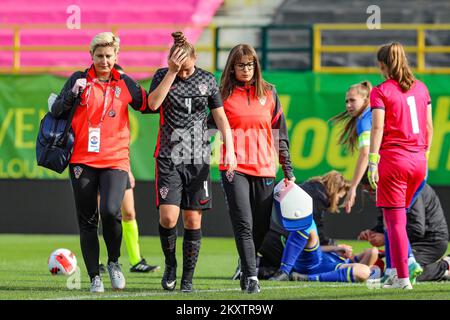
108 12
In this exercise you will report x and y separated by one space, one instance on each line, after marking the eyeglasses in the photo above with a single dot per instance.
250 65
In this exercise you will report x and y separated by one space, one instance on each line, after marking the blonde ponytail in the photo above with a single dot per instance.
349 136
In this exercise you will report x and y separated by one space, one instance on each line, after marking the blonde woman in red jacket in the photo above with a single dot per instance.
101 154
260 136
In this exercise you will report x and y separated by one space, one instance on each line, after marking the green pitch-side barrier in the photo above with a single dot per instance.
308 100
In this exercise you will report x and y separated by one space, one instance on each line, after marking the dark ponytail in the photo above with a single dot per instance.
394 57
180 41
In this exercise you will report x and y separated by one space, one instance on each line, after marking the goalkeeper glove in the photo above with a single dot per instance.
372 173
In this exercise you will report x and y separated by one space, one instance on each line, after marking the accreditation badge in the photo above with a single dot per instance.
94 140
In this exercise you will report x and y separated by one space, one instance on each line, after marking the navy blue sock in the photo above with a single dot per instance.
410 254
387 252
416 195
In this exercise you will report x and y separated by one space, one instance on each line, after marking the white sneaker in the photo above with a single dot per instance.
116 276
97 285
389 279
237 273
397 283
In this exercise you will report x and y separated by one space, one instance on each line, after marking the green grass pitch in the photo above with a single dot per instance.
24 275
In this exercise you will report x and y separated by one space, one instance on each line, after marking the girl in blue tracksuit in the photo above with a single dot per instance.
357 121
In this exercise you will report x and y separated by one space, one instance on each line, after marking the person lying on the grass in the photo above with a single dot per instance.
329 264
302 252
325 191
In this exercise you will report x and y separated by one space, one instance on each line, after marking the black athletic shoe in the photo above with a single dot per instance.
280 276
186 286
142 266
102 268
253 286
243 281
169 279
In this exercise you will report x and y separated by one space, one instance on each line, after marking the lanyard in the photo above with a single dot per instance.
105 102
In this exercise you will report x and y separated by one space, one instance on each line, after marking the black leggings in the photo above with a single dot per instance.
249 201
87 183
428 255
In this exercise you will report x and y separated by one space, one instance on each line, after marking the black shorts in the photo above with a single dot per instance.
185 185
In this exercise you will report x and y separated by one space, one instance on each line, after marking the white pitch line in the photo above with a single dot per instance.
152 294
162 293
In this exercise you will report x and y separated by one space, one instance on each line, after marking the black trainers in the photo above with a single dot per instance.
243 281
169 279
142 266
280 276
186 286
253 286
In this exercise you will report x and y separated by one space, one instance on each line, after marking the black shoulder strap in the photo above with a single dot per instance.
76 102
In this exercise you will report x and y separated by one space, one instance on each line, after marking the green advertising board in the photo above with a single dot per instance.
308 100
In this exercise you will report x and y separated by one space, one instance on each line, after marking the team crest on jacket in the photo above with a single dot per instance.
263 100
77 171
118 91
230 176
163 191
203 88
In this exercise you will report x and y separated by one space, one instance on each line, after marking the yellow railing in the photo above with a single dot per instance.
17 48
420 49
